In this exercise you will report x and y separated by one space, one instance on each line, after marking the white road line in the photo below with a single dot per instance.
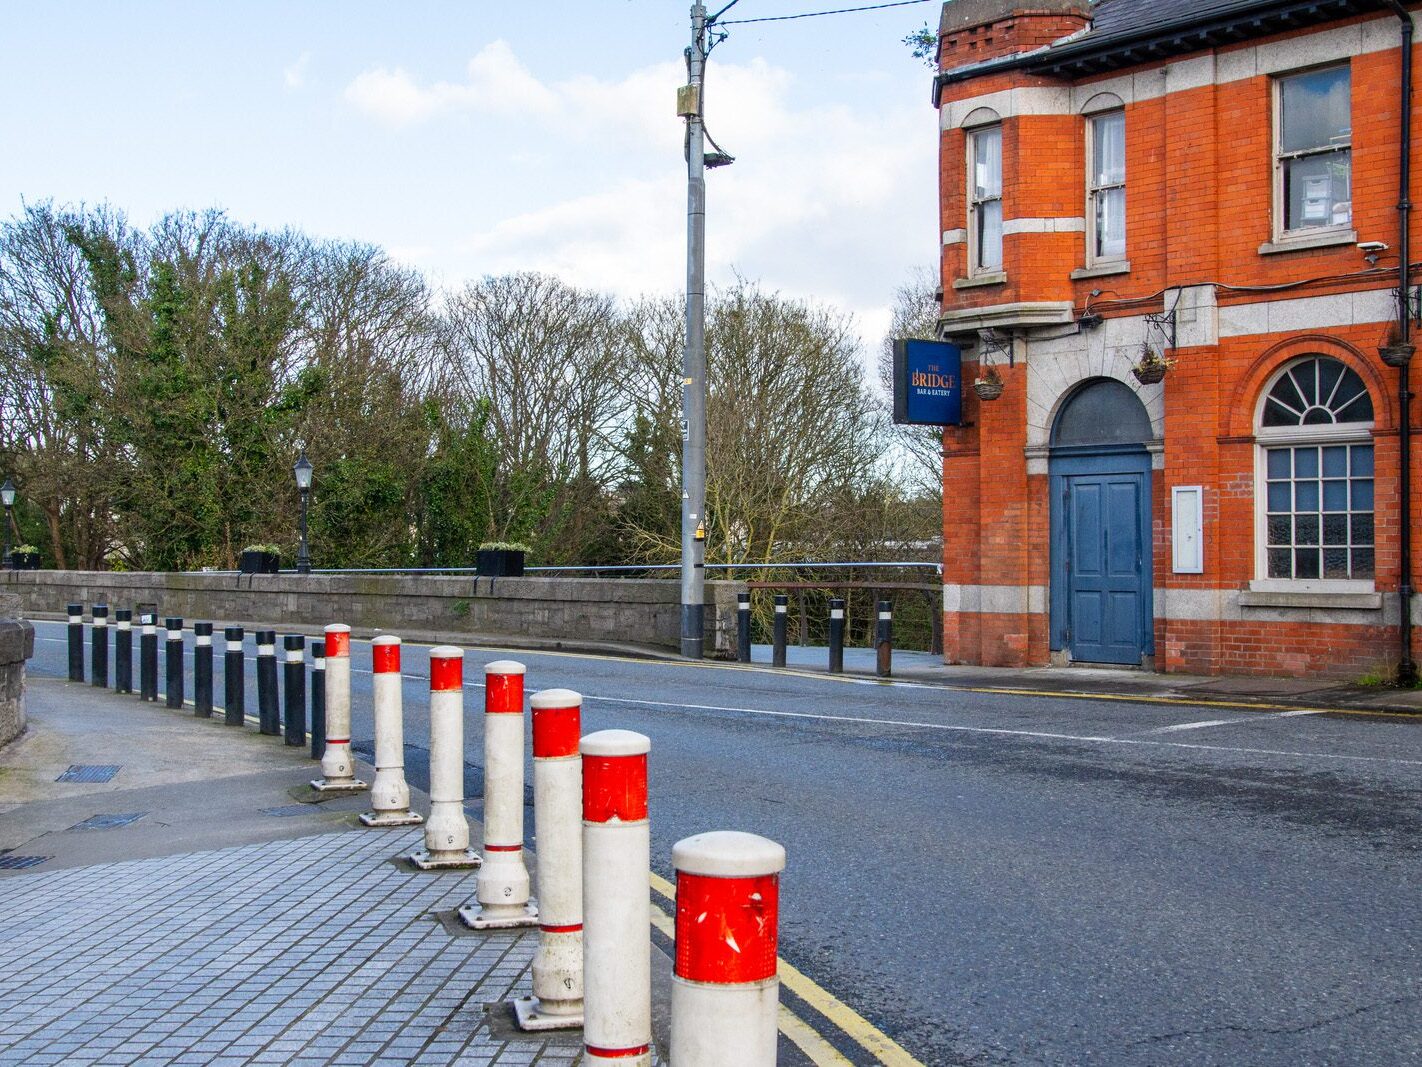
1191 726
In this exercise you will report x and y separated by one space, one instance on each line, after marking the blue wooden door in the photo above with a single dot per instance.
1106 560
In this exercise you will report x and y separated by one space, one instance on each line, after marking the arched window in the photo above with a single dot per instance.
1316 471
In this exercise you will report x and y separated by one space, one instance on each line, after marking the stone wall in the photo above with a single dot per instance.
589 612
17 644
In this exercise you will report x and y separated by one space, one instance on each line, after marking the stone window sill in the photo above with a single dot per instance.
1331 601
1101 270
999 278
1310 240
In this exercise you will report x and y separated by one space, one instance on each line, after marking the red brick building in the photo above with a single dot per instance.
1214 185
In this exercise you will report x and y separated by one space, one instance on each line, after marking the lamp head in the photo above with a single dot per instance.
7 493
302 470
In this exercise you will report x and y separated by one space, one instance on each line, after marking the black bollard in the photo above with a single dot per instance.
743 620
268 713
884 640
836 636
173 656
99 648
318 699
777 653
148 659
123 650
234 678
202 670
76 642
294 689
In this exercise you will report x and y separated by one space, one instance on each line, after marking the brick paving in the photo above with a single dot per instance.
304 951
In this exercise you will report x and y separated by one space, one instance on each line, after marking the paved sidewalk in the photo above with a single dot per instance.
192 910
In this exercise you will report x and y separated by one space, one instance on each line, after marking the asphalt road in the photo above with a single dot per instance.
1000 879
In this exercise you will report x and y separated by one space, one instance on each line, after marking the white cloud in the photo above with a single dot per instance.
827 200
294 76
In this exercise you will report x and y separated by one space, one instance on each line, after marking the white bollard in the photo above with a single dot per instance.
389 793
337 763
617 908
503 880
725 1001
557 1001
446 830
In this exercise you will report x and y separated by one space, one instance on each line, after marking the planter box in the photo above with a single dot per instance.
25 561
259 563
500 563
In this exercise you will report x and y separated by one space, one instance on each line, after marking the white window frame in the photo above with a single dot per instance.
1266 437
1282 235
974 270
1092 190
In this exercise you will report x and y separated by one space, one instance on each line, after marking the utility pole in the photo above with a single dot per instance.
693 398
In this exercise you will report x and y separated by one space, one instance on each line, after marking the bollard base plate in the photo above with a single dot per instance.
351 785
457 861
392 818
472 916
530 1018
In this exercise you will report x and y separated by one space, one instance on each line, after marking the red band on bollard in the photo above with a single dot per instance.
446 674
617 1053
726 928
503 848
556 732
571 928
386 658
614 787
503 694
338 740
337 644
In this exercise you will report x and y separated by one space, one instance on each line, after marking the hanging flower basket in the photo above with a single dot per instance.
1151 367
1397 354
989 386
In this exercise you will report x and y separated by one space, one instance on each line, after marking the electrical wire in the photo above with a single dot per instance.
817 14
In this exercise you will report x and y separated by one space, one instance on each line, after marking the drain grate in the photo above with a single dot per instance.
108 822
288 809
11 862
90 772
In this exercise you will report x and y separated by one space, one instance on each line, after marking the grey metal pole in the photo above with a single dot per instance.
693 402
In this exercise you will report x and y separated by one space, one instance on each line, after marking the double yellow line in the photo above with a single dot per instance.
820 1052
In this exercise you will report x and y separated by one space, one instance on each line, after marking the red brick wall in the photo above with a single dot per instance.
1199 205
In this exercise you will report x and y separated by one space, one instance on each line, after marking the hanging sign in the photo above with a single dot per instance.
928 383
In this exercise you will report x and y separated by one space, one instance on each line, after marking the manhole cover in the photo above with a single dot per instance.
10 862
108 822
91 772
288 809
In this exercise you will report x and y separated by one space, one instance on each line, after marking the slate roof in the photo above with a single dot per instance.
1127 32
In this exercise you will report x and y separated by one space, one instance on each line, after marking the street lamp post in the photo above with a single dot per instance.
7 494
302 470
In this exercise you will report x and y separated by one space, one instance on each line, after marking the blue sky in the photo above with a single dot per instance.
479 137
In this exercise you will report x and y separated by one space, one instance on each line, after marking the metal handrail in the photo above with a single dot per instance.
600 568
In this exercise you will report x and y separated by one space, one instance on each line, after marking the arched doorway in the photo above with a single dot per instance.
1100 483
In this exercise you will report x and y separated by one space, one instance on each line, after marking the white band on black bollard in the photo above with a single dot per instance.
557 1001
337 763
617 938
389 793
503 900
446 830
725 1002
